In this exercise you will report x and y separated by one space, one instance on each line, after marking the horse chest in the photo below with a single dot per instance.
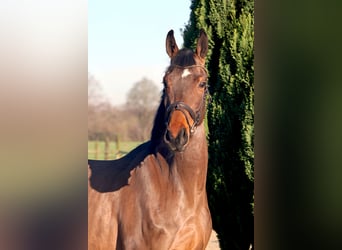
162 221
165 232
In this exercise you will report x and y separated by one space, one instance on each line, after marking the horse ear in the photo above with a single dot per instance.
202 45
171 45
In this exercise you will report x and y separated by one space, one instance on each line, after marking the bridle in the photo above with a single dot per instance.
183 107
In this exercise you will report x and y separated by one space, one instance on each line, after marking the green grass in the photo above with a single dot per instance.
115 151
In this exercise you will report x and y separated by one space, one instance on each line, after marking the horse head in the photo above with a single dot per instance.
185 91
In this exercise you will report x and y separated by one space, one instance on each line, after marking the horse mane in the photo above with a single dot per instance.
159 125
111 175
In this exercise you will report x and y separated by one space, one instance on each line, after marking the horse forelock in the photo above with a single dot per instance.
184 58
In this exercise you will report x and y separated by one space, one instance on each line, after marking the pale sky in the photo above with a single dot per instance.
126 41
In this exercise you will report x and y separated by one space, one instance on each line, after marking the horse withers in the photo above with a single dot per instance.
155 196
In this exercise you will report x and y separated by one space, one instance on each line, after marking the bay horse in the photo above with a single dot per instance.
155 196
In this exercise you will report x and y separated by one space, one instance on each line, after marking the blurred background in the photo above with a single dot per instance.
44 118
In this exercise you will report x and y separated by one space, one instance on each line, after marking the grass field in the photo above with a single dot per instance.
115 151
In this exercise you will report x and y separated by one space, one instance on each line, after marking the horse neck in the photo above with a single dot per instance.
191 165
188 169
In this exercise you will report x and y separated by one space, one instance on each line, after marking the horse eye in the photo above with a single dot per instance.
202 84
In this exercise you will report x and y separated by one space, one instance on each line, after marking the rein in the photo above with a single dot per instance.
181 106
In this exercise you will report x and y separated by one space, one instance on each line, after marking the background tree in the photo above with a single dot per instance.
142 100
95 98
95 95
102 116
229 25
130 122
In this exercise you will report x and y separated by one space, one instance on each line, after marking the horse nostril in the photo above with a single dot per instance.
183 133
168 136
177 143
182 137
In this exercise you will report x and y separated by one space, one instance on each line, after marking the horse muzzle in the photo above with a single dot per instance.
178 142
181 123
